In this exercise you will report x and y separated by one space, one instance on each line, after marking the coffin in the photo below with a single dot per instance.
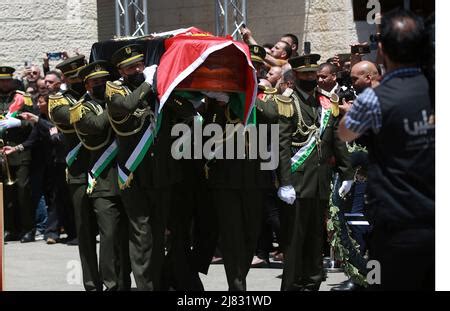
222 71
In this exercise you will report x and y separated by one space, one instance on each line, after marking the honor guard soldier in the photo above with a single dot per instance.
237 186
307 143
141 168
147 171
77 160
92 127
13 131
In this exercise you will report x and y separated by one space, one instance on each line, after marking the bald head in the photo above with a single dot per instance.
365 67
364 74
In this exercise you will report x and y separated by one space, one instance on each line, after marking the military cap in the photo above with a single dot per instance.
128 55
71 66
305 63
95 69
6 72
258 53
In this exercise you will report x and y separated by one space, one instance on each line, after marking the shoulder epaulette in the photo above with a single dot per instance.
270 91
284 105
77 111
26 98
56 100
114 88
334 104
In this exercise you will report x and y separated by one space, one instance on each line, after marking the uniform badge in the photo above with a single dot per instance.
98 68
307 61
73 66
128 50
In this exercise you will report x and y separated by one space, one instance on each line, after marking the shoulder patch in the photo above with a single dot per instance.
56 100
113 88
284 105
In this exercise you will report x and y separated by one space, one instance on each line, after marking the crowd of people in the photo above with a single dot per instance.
87 157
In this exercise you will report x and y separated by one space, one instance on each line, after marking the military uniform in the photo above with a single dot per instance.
237 193
92 127
267 112
306 166
19 211
77 165
146 171
189 206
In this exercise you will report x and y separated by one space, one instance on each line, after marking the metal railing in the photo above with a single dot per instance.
230 16
131 18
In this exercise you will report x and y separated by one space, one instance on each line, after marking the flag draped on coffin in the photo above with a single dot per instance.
186 52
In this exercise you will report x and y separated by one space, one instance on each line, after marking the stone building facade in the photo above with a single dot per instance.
32 27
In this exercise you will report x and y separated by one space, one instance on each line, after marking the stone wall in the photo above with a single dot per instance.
328 24
30 28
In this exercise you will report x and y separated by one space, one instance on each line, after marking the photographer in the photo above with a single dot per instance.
401 173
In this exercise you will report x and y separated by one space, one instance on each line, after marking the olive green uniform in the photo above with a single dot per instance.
237 187
146 194
95 133
85 219
311 181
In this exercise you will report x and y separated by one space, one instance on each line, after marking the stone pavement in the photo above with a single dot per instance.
41 267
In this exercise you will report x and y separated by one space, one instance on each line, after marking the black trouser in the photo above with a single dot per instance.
360 235
114 257
239 215
146 210
270 225
303 260
406 257
60 207
86 224
19 210
205 231
41 183
179 268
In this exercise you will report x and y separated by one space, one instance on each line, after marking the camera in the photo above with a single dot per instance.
54 55
360 49
348 94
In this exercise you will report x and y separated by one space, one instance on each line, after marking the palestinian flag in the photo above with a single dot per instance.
187 51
